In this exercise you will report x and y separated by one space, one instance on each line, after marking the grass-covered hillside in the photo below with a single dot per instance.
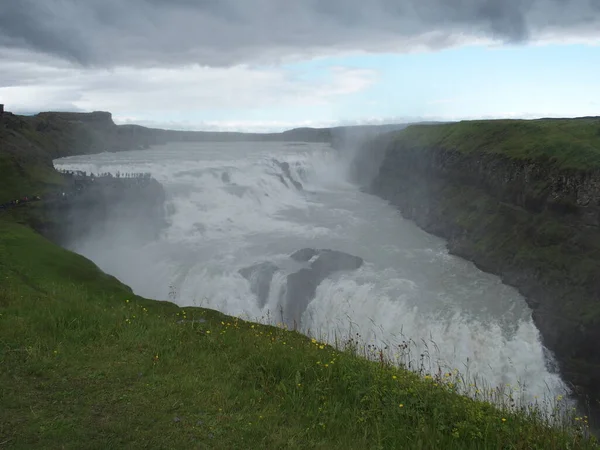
85 363
569 143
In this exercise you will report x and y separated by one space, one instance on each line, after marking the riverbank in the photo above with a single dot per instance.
85 363
521 200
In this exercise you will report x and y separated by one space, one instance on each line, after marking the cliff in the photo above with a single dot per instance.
521 199
73 206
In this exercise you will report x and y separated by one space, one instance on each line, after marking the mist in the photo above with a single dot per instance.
236 213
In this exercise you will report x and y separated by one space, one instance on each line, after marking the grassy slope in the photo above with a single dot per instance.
25 167
570 143
86 364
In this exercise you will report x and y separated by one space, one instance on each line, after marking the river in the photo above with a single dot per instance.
232 205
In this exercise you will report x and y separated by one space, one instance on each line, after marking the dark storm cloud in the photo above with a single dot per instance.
225 32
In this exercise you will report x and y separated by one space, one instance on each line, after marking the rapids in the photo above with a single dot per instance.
232 205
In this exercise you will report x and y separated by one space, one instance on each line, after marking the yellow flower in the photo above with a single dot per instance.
321 347
503 419
401 405
207 331
394 377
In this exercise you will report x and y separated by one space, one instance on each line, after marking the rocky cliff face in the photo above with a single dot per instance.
132 209
530 220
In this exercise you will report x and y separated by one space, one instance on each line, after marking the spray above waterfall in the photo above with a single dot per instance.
240 213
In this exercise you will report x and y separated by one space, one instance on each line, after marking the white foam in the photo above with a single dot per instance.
233 205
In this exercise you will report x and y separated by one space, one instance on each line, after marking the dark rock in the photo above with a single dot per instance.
225 178
330 261
285 167
302 285
260 276
304 255
530 221
300 289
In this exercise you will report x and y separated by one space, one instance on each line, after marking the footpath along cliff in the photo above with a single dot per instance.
520 199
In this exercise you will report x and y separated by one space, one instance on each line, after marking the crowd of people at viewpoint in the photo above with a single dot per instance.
79 181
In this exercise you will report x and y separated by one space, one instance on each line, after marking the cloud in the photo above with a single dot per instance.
27 85
108 33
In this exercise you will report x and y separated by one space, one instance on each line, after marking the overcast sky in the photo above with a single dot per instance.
274 64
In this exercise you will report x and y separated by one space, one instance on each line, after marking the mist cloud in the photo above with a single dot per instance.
105 33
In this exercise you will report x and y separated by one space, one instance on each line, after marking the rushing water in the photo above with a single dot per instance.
232 205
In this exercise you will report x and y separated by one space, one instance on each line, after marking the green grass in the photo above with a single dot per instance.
25 165
84 363
568 143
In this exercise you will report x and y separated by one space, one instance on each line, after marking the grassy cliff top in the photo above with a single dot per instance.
568 143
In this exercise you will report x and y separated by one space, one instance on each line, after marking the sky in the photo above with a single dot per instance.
269 65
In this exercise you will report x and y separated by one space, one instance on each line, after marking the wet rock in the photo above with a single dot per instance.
285 167
330 261
302 285
260 276
304 255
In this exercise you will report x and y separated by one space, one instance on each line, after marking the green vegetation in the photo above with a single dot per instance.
25 166
569 143
84 363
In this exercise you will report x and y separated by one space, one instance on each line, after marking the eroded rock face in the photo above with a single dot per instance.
535 225
260 277
285 167
301 284
304 255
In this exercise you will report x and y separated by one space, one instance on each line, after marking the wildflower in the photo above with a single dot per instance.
207 331
314 341
127 301
559 398
401 405
503 419
394 377
321 347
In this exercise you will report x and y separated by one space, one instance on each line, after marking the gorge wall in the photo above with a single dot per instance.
521 199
